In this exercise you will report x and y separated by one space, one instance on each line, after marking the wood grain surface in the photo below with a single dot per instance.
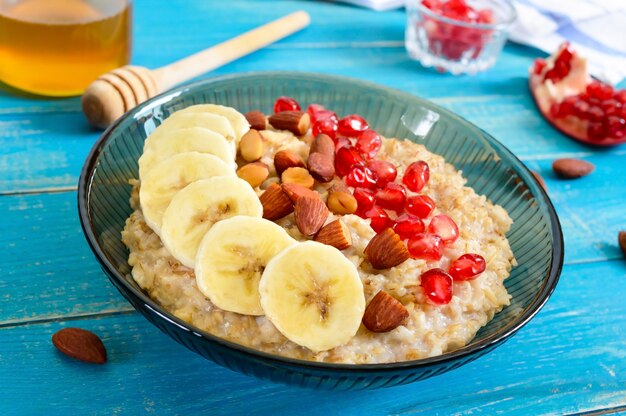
570 359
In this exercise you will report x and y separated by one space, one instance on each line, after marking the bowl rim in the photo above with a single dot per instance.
547 288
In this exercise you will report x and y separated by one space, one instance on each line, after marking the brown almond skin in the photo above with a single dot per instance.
321 167
341 202
323 144
285 159
295 191
384 313
621 238
276 204
80 344
386 250
296 122
256 119
569 168
310 214
335 234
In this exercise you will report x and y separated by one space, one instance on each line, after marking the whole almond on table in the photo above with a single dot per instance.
384 313
80 344
296 122
251 146
621 238
254 173
299 176
311 214
276 204
341 202
336 234
285 159
568 168
295 191
386 250
256 119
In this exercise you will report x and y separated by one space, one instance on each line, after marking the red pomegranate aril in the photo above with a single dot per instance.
420 205
341 142
444 227
368 143
286 104
379 220
361 177
392 197
437 285
539 66
599 90
595 113
318 112
425 246
352 125
384 171
596 131
345 158
408 226
416 176
580 109
467 267
616 127
620 96
327 126
365 199
611 107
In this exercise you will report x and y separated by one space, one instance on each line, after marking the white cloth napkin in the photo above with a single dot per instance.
595 28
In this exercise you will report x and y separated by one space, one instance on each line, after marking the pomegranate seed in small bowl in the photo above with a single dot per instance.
457 36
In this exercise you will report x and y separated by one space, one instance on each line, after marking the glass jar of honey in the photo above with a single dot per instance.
57 47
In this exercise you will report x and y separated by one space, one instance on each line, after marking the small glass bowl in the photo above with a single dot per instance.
457 46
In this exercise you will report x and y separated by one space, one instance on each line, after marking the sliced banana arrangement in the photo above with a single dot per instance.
237 120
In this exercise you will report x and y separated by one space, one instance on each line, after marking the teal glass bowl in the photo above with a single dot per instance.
491 169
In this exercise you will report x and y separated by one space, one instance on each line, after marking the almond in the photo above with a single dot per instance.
80 344
384 313
321 167
341 202
256 119
285 159
325 145
569 168
254 173
386 250
251 146
300 176
295 191
276 203
296 122
311 214
335 234
621 238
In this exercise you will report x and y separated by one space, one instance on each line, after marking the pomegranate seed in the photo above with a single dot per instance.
392 196
345 159
425 246
620 96
596 131
485 16
360 177
420 205
444 227
416 176
368 144
566 107
379 220
408 226
580 109
595 113
467 267
327 126
286 104
385 172
341 142
539 66
352 125
611 107
437 285
364 198
599 90
616 127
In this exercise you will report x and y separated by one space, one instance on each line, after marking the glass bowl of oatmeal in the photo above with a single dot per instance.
501 210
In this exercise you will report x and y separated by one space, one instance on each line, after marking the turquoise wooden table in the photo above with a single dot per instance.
570 359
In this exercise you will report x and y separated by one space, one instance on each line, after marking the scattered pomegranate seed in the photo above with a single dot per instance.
364 198
286 104
444 227
380 221
420 205
327 126
384 171
361 177
345 159
408 226
416 176
437 285
368 143
352 125
425 246
467 267
392 197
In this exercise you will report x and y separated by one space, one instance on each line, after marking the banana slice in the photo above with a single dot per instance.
171 175
198 206
236 119
182 120
193 139
313 295
231 258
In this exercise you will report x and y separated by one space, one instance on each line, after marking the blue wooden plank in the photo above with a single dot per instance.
570 358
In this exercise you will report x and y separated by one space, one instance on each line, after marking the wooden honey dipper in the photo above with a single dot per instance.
120 90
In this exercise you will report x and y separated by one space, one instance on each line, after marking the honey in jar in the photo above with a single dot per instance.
57 47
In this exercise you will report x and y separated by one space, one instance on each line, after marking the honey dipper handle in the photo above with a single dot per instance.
228 51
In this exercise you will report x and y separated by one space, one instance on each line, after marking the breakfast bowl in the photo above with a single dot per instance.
535 235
